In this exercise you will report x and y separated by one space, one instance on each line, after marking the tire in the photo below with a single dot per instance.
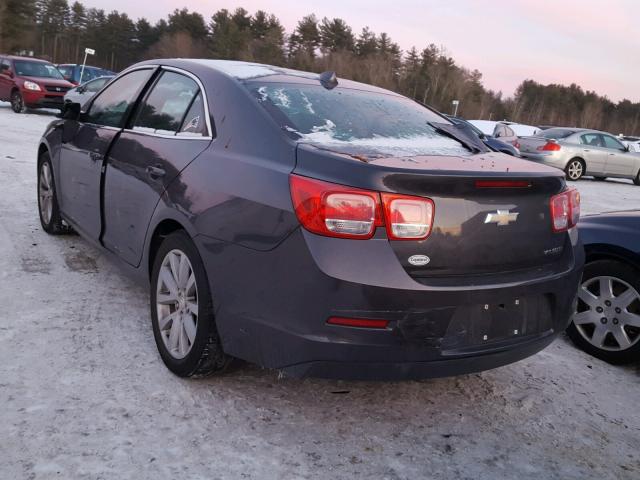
48 209
574 169
636 180
17 102
195 347
599 179
594 316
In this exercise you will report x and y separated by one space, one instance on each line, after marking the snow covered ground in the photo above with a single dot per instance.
84 394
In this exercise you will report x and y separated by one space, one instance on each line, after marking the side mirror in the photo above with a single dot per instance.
71 111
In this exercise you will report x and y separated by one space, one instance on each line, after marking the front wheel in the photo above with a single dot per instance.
50 217
607 320
182 310
17 102
574 169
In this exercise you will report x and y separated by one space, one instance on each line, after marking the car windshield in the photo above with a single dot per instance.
37 69
355 121
556 133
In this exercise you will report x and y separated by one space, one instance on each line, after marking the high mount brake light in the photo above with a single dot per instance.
358 322
346 212
549 147
565 210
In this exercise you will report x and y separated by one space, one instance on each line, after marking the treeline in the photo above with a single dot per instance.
59 31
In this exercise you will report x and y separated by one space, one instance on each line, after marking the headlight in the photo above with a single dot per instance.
32 86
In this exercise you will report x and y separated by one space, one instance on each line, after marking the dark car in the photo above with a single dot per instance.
31 83
315 225
492 142
607 321
72 72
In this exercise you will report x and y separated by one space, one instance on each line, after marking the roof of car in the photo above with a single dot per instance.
17 57
247 71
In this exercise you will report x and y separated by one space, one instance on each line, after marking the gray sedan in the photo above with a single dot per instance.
582 152
85 92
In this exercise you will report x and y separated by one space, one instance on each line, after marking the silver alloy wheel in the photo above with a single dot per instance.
605 320
17 103
45 193
177 303
575 170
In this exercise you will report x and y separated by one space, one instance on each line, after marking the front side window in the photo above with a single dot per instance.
355 121
112 106
610 142
174 100
95 85
25 68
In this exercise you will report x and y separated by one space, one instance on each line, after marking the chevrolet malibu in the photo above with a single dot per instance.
312 224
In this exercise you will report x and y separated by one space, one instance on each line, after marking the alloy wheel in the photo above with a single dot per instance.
45 193
177 304
17 104
608 314
575 170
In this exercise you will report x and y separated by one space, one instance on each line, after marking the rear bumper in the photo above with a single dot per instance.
272 309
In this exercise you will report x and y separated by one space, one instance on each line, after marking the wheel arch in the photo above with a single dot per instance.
611 252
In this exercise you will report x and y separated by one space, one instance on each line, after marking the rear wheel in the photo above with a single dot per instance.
17 102
50 218
607 320
574 169
182 310
637 179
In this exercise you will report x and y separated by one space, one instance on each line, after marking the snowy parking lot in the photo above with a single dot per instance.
85 395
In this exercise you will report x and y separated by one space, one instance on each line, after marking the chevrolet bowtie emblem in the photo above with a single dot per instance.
501 217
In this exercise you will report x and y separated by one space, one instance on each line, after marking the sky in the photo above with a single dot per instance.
594 43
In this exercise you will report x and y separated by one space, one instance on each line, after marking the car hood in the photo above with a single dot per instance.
49 81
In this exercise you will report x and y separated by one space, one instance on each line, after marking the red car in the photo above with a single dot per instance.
31 83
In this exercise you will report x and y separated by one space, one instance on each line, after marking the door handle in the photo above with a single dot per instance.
95 156
156 172
585 150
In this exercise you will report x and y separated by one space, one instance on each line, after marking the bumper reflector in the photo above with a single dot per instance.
358 322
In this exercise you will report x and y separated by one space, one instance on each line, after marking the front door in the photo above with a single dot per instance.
168 130
86 143
619 161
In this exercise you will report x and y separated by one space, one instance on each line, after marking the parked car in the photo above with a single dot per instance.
315 225
522 130
81 94
31 83
632 142
499 130
72 71
582 152
607 319
491 142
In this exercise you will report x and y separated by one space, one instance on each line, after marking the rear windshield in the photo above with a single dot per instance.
36 69
355 121
556 133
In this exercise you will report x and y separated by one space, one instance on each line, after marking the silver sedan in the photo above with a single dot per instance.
582 152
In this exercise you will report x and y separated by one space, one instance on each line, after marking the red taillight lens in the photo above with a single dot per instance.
335 210
565 210
407 218
358 322
549 147
516 144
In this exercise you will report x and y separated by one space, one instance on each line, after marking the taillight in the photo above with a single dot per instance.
335 210
565 210
516 144
407 218
549 147
346 212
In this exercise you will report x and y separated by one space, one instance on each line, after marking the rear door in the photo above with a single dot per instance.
593 152
618 161
85 145
170 128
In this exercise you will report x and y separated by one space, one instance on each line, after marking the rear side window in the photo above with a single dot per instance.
355 121
114 103
509 132
174 106
592 139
